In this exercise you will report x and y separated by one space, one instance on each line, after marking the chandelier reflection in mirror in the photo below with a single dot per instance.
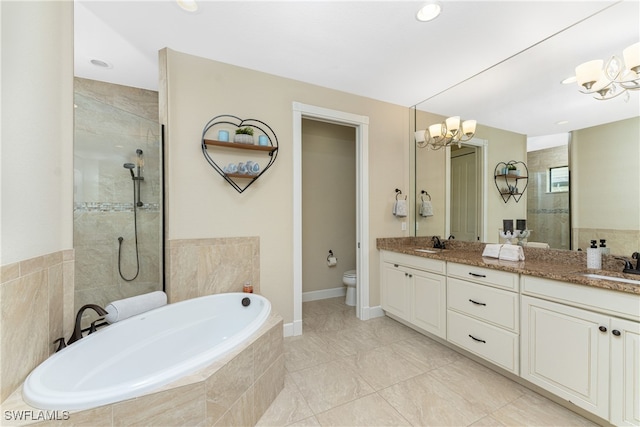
449 132
612 80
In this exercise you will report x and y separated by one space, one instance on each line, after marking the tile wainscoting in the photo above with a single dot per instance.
36 302
199 267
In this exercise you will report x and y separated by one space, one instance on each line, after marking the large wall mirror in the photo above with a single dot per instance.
585 187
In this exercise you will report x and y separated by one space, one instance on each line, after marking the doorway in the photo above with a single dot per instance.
361 125
328 208
464 194
481 148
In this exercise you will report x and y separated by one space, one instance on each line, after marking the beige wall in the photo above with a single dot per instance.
430 172
201 204
37 128
328 203
36 283
605 188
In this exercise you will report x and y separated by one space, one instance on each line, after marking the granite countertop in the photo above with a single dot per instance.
563 265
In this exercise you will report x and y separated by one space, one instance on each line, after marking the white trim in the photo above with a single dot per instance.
484 145
376 311
324 294
361 123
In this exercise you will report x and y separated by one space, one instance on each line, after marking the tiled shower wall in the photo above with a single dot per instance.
111 122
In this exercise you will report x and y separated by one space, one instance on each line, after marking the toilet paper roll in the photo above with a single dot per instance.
332 261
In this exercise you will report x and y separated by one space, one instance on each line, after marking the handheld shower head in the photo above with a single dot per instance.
130 166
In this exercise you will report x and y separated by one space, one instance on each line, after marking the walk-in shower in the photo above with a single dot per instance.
114 126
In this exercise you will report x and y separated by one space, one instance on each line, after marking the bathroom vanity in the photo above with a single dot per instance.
541 320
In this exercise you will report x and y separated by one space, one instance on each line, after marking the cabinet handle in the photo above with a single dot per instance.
396 265
477 275
477 339
616 332
411 275
477 303
602 329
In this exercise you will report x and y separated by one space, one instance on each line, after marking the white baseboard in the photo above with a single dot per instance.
324 294
292 329
376 311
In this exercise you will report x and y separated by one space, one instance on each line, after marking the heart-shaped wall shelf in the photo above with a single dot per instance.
509 178
236 176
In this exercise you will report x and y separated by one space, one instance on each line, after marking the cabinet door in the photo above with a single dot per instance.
429 302
625 373
395 290
564 350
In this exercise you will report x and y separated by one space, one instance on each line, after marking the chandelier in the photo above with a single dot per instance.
614 79
449 132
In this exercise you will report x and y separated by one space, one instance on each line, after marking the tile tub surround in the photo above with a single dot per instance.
199 267
562 265
235 390
36 306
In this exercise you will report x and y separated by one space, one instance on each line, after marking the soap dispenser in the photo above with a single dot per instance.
594 256
604 250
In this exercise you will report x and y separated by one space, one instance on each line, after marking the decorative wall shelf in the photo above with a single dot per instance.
508 183
239 181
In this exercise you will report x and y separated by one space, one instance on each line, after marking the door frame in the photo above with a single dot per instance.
361 125
483 146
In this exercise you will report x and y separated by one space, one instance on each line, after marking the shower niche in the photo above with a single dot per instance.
239 163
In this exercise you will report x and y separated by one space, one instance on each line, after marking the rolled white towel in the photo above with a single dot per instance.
492 250
512 253
540 245
127 307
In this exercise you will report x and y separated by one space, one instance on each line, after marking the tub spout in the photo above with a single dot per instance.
77 330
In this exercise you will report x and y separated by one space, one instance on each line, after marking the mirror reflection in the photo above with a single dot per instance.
583 178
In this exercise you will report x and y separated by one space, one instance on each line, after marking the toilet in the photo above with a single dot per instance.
349 278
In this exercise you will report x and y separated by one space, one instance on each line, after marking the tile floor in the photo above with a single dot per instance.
346 372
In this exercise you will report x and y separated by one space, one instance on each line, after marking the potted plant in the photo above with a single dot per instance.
244 135
512 170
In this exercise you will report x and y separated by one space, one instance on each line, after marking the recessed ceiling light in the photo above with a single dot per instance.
100 63
429 11
188 5
562 122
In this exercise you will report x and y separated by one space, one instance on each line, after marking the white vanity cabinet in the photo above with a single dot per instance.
414 290
483 313
575 344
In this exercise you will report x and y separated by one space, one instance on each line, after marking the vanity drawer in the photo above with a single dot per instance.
487 341
420 263
486 276
493 305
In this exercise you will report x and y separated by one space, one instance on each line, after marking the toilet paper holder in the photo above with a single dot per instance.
331 259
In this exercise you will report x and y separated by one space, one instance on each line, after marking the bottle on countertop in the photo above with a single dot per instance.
603 247
247 288
594 256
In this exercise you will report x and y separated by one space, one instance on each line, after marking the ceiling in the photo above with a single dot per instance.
499 62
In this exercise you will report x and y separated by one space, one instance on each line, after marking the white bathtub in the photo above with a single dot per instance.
139 354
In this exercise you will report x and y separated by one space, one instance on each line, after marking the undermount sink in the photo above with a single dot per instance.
615 279
429 251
